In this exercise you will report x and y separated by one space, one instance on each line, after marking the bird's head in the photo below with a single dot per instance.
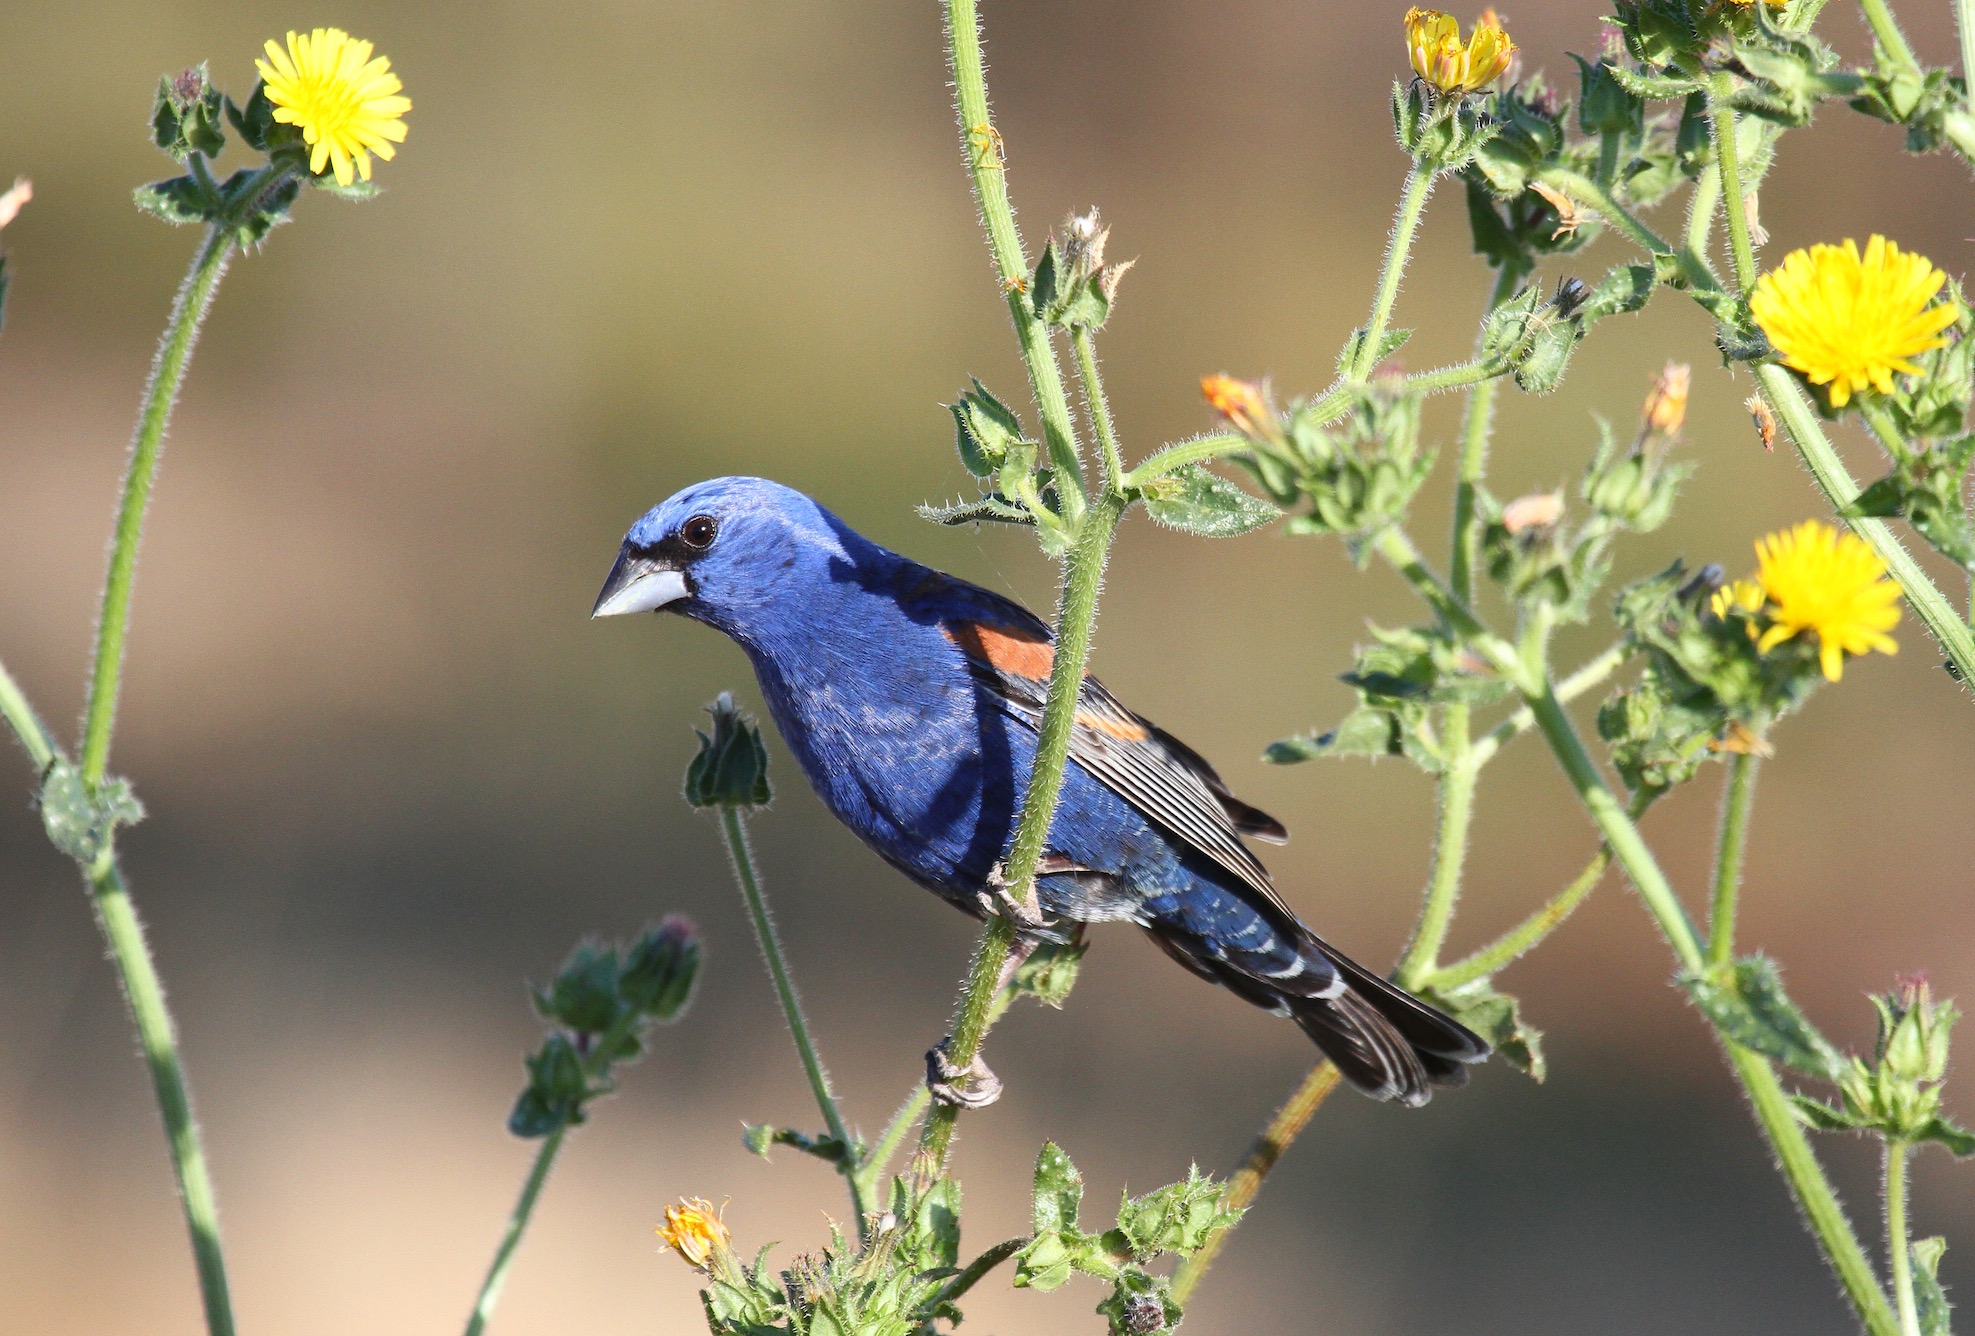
719 550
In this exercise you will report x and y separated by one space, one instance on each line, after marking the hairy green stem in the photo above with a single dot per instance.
1076 619
1450 848
1897 1253
1729 847
1727 162
1590 675
1098 406
1530 933
978 1268
27 725
1879 17
1475 429
1267 1148
981 142
1700 220
188 309
1815 1198
742 858
517 1224
1586 191
1884 430
1419 184
1964 26
155 1033
1925 597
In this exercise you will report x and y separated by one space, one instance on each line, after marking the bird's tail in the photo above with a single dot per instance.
1385 1042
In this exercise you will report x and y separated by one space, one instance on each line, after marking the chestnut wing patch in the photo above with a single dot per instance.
1150 769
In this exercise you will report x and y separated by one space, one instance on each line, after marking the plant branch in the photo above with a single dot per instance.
1727 162
1475 429
1700 220
27 725
978 1268
1926 598
981 143
1450 847
1586 191
1901 1260
742 858
1887 33
517 1223
1964 26
1729 847
1099 407
1419 184
188 309
1246 1183
1590 675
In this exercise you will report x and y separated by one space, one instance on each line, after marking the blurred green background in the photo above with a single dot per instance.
393 770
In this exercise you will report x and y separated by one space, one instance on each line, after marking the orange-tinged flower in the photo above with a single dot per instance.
1439 56
695 1231
1666 402
346 103
1244 404
1849 321
1832 584
1539 510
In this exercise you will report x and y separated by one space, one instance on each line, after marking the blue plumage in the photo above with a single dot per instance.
911 700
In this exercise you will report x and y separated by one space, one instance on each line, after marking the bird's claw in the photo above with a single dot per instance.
969 1087
1025 914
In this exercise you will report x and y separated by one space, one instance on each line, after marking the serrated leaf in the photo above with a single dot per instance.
1058 1191
1821 1117
1959 1140
1389 343
180 200
988 510
1928 1298
1363 733
1747 1004
1497 1018
1197 501
1050 972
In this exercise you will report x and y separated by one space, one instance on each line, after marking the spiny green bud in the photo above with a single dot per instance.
731 769
660 970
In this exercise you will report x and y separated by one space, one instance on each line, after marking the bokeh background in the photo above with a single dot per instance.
393 771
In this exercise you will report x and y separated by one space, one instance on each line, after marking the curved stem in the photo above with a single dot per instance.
1475 430
155 1034
1266 1149
1586 191
1728 857
1964 26
1700 219
982 144
1099 406
1419 184
188 309
1727 162
1075 620
1815 1198
1887 33
517 1223
1896 1246
1590 675
1457 781
1529 934
1884 430
27 725
1926 599
742 858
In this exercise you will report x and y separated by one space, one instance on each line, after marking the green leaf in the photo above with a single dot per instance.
937 1221
988 510
1821 1117
1203 503
555 1093
1176 1218
1050 972
1746 1002
1058 1191
1364 732
1932 1303
1959 1140
1045 1263
1497 1017
185 117
179 200
1884 498
1389 343
583 995
731 769
1626 289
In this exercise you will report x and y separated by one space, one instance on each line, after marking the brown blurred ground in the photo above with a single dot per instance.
393 770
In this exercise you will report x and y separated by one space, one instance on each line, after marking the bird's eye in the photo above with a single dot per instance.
699 532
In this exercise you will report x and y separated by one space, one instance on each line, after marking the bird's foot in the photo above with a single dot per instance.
1026 913
969 1087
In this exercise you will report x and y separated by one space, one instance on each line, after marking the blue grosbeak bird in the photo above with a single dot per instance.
912 701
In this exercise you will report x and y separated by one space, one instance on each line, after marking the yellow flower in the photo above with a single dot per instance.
1818 579
1433 40
695 1231
1743 596
1848 321
346 103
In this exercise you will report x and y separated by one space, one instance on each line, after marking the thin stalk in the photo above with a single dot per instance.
1586 191
1964 26
1419 184
1727 162
1733 840
1815 1198
978 1268
1925 597
982 144
1475 430
1896 1245
1075 620
517 1224
1608 147
155 1033
1450 848
1880 423
1528 934
1399 552
1267 1148
1700 219
27 725
1590 675
1887 33
1098 406
188 309
742 858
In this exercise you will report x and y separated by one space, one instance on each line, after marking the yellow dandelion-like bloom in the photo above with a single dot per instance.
1743 596
1439 56
1850 321
695 1231
346 103
1818 579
